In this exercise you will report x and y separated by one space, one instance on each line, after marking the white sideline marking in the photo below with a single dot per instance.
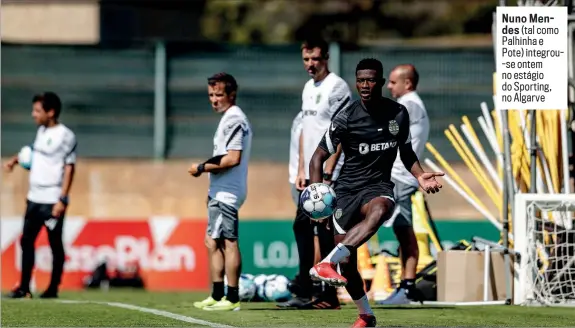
160 313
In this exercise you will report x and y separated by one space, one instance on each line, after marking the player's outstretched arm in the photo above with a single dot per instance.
426 180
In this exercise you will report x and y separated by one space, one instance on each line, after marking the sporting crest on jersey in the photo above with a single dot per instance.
393 127
318 98
338 213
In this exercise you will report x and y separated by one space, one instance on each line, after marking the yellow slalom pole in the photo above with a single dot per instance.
527 132
491 190
419 201
545 133
526 159
541 169
520 169
499 140
541 156
472 168
472 132
520 162
517 135
454 175
547 147
498 134
496 125
540 131
554 145
559 149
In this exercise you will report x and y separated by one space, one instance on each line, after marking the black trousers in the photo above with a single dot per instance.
37 216
304 230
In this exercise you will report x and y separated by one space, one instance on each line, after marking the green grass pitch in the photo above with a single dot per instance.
94 309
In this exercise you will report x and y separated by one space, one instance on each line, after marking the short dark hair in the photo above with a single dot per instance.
316 42
50 101
230 82
370 63
414 77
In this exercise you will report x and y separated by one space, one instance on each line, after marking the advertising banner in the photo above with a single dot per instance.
268 247
171 252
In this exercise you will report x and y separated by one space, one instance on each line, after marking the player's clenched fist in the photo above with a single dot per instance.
428 182
193 170
9 166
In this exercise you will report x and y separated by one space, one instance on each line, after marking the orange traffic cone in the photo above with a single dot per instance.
364 262
381 284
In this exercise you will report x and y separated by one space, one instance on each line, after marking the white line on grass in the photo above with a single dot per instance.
161 313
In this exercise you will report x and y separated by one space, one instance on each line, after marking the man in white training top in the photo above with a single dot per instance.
323 96
402 84
51 175
228 190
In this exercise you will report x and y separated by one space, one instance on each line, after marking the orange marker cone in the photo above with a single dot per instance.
381 284
364 263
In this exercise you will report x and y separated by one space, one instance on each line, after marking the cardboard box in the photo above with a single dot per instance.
460 276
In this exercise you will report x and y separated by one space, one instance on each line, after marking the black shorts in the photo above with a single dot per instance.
349 204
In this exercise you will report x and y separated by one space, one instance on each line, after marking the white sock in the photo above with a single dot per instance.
363 305
339 253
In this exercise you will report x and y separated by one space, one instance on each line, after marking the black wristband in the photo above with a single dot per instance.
64 200
201 168
327 176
